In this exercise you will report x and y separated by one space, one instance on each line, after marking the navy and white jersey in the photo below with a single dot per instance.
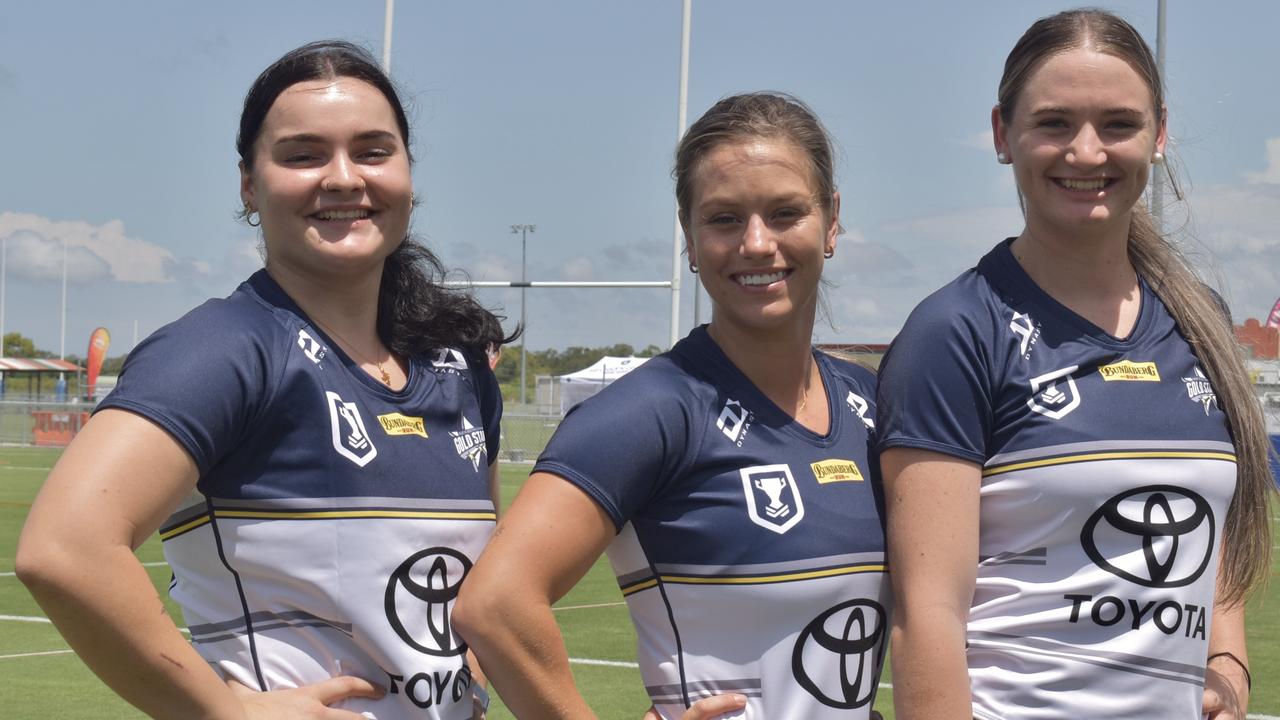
750 550
334 518
1107 470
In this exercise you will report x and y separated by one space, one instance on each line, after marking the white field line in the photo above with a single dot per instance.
22 467
23 618
35 654
145 564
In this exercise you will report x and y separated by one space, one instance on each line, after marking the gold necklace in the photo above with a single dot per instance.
386 376
804 391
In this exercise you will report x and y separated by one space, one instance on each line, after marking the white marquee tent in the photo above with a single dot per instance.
564 391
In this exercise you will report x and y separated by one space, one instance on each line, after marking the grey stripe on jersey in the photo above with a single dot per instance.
344 503
1138 664
262 621
705 688
772 568
1034 556
1107 445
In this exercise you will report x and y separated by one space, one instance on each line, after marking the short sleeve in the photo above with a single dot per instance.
201 380
623 445
935 389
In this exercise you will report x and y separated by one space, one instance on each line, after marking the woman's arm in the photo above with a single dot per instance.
1226 681
542 546
108 493
932 506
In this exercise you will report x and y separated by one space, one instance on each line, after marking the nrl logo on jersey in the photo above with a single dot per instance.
469 442
310 347
1130 371
397 424
350 438
1199 389
859 405
734 421
1028 333
448 359
773 498
1051 397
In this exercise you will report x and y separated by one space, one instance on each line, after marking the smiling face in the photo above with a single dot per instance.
757 233
330 179
1081 139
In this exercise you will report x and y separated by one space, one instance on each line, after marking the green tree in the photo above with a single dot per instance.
17 345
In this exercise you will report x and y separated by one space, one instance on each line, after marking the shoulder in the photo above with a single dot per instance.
851 373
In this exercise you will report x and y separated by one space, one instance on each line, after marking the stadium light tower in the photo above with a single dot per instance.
523 231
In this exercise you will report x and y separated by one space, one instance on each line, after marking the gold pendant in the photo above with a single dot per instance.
386 376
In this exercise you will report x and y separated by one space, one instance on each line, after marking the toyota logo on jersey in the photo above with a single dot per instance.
837 656
1158 536
419 594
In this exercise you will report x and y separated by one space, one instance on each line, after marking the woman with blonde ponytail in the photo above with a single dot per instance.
1075 464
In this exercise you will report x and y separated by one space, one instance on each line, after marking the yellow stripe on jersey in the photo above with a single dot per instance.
185 527
754 579
637 587
331 515
1114 455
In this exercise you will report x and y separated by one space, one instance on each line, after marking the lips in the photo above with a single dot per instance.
760 278
339 215
1085 184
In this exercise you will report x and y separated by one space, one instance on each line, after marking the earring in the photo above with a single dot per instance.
249 212
1157 159
693 268
828 254
1003 158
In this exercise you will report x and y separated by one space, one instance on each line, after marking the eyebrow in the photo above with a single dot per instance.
313 138
1065 111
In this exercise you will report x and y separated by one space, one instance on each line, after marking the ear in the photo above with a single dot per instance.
1162 135
998 131
833 228
246 186
689 252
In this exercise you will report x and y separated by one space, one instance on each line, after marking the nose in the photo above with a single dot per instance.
757 239
342 175
1086 148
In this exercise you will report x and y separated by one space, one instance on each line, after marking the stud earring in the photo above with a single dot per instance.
1003 158
1157 159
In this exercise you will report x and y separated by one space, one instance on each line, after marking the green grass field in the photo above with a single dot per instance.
40 678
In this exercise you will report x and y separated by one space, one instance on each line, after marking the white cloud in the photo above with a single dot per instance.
1271 175
100 251
579 269
32 256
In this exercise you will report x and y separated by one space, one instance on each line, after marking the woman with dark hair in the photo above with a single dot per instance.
1075 463
318 450
730 479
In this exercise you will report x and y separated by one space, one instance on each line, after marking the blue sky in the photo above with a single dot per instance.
117 125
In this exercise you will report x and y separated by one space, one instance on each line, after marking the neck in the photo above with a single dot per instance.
780 364
1077 263
1088 273
346 305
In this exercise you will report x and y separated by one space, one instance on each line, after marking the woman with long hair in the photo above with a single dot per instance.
730 479
1075 464
317 450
